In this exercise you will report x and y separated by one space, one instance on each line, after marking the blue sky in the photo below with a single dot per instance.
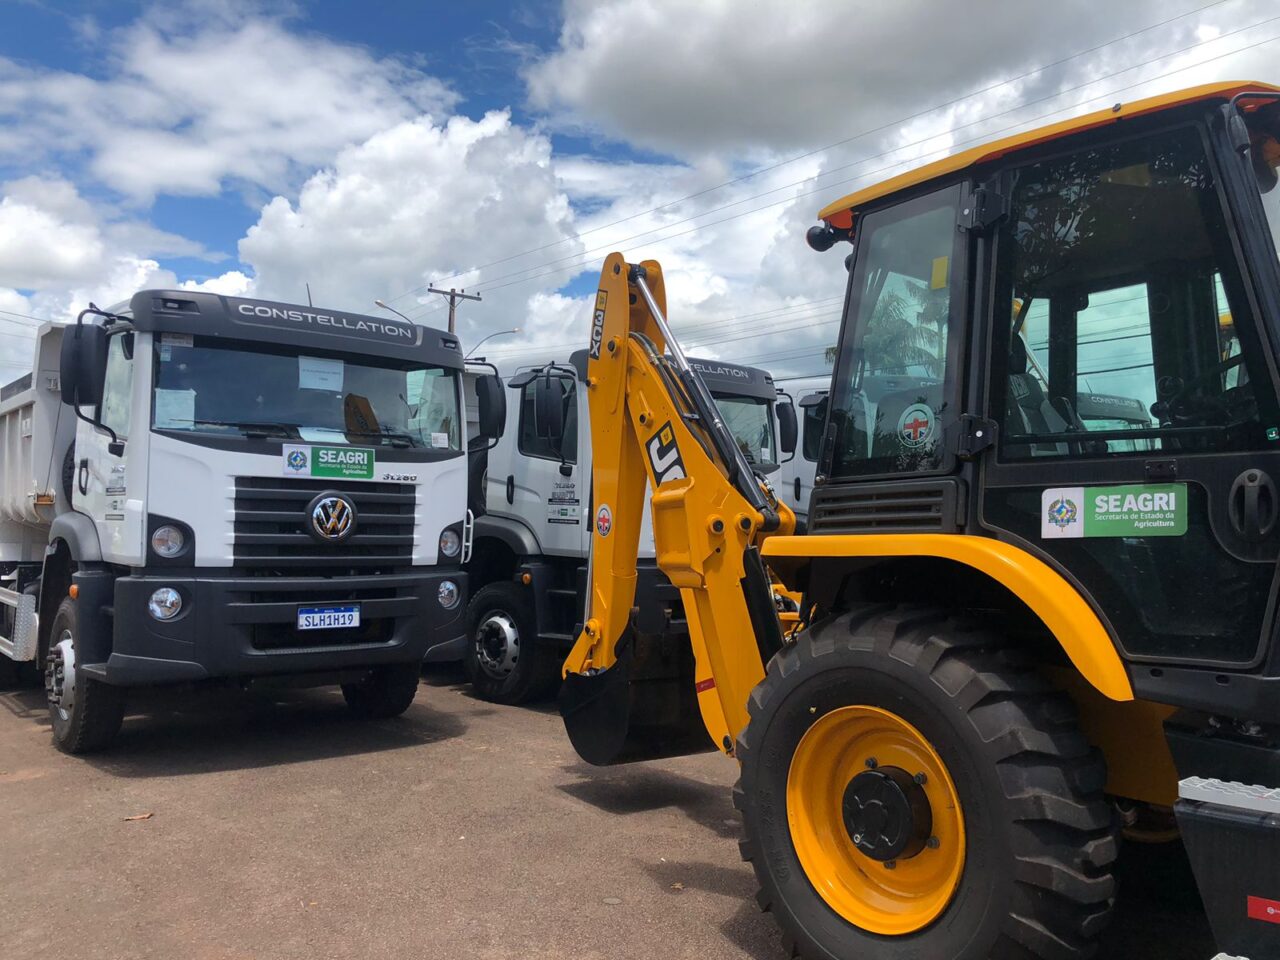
476 47
368 149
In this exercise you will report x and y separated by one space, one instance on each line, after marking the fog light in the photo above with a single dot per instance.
450 543
165 603
167 541
448 594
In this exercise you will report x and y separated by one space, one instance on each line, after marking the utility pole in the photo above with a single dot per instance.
454 296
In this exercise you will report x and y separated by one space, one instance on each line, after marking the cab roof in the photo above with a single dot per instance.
840 213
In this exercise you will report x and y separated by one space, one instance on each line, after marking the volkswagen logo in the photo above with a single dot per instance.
332 518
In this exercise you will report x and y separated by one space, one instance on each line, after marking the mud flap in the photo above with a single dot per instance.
644 707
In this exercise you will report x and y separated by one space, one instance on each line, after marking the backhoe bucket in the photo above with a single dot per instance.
642 708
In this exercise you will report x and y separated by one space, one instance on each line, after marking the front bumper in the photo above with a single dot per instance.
239 626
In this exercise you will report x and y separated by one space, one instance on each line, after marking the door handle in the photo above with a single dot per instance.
1252 505
82 476
511 488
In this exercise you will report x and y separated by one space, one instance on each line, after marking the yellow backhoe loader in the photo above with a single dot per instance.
1023 631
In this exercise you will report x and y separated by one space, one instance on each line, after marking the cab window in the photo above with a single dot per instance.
118 385
532 445
814 409
890 409
1120 311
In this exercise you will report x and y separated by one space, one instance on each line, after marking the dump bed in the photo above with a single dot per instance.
35 432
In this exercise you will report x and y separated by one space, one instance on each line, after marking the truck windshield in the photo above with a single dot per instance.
750 420
214 387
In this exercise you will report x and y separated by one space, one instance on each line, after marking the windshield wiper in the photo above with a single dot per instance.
393 437
251 428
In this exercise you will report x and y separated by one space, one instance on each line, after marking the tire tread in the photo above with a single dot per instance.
1065 843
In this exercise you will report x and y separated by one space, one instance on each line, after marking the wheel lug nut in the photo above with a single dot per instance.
872 763
933 843
921 779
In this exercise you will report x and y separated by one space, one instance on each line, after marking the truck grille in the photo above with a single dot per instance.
271 525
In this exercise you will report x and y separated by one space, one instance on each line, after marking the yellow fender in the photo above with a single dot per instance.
1055 601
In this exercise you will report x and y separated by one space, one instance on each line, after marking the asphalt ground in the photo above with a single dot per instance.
286 829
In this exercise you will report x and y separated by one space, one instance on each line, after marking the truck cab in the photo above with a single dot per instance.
796 480
529 565
236 489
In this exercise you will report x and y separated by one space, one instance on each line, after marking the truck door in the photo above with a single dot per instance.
1118 288
549 491
101 487
813 415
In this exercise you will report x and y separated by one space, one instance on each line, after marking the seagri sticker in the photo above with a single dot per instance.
1134 510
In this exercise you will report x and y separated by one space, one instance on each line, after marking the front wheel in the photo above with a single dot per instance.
86 713
387 691
10 673
908 789
504 661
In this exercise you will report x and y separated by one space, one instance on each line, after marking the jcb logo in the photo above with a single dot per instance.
664 456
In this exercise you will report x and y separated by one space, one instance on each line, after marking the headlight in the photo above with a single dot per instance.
450 543
448 594
167 541
165 603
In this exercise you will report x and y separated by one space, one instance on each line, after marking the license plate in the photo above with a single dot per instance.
328 618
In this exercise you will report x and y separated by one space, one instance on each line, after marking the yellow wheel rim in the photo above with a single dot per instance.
825 814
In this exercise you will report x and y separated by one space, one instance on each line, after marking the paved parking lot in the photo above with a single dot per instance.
287 830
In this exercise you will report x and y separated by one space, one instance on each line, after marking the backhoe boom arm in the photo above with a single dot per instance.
653 420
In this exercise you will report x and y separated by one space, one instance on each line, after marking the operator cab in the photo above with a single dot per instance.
1095 305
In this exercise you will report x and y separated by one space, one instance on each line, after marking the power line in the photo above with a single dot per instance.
779 357
810 153
506 353
14 313
590 255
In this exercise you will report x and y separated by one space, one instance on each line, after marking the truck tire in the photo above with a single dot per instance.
909 788
10 673
85 713
386 692
504 660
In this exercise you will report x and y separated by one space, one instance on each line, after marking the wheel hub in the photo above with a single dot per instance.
60 675
498 645
886 814
875 819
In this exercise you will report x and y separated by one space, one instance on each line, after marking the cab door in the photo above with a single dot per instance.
803 467
1118 285
550 494
103 486
887 462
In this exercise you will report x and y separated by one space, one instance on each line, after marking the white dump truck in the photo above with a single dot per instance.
196 487
528 569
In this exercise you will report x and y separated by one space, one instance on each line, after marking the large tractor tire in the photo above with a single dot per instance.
85 713
504 660
910 788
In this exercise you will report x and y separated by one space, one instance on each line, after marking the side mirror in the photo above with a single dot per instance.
788 428
82 366
548 409
491 406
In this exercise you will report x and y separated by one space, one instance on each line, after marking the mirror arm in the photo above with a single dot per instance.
115 440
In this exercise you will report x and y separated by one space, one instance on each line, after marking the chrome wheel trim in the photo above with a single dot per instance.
497 644
60 675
